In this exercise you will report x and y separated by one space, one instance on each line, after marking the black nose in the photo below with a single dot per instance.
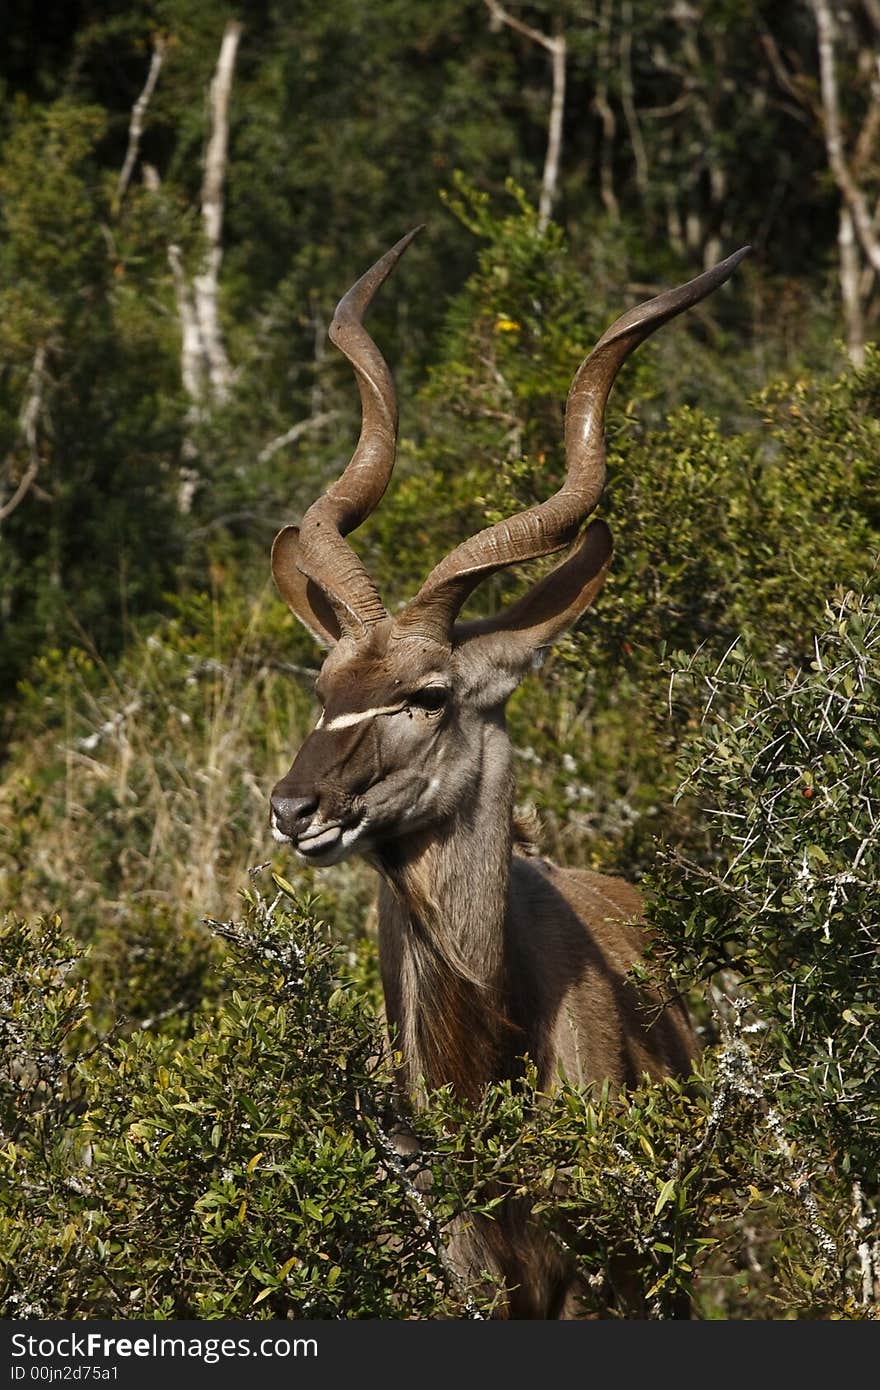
292 813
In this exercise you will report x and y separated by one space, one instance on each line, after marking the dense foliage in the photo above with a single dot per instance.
195 1115
787 775
149 1182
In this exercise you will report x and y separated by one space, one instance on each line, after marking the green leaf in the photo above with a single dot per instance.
283 884
666 1193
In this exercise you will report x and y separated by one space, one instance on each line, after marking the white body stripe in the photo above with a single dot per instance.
345 721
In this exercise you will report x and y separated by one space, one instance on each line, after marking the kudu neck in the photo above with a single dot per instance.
443 949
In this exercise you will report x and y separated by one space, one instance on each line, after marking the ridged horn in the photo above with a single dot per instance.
550 525
324 555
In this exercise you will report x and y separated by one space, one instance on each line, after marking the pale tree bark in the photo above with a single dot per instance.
192 372
136 125
674 227
858 236
850 190
556 47
550 180
205 283
851 287
192 358
204 366
28 427
858 230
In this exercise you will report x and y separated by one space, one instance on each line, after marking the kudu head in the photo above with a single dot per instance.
413 703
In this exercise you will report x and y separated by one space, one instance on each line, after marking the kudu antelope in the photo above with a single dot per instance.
486 955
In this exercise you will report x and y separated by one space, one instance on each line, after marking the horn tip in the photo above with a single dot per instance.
717 274
355 302
733 260
419 227
399 247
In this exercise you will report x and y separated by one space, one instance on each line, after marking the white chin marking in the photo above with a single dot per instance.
331 851
345 721
352 835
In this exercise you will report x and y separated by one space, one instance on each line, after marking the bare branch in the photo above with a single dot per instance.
706 118
867 138
21 491
136 126
672 108
202 353
556 47
627 96
606 115
205 283
797 84
501 16
295 432
28 423
215 157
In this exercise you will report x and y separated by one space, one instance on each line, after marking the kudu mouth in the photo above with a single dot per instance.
298 822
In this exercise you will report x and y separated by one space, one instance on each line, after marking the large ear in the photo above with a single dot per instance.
303 596
512 639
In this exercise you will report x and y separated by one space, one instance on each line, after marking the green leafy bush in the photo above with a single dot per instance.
786 771
249 1169
246 1170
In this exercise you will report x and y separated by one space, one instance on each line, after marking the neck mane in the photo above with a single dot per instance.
442 938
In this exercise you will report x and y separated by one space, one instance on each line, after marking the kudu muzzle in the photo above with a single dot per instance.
319 798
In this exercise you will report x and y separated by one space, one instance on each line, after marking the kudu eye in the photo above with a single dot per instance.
431 698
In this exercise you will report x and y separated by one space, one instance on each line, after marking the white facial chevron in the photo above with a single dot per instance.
345 721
